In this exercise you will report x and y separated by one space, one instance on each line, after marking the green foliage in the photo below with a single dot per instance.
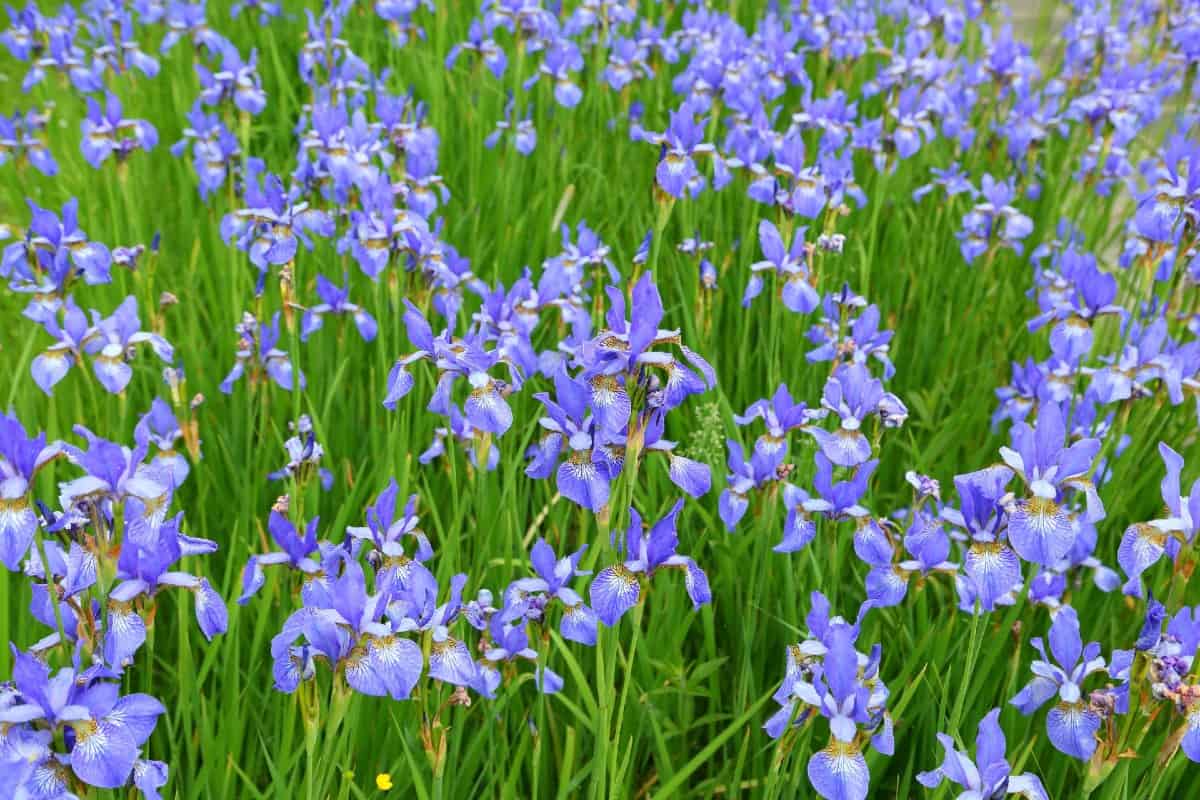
672 701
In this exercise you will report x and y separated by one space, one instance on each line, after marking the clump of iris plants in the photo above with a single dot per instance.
96 559
466 416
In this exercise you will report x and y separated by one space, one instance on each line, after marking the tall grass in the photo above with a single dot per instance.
671 702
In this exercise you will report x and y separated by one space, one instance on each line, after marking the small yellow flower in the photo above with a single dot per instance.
383 781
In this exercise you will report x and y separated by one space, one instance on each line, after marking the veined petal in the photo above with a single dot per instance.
994 569
1028 786
1040 531
18 524
51 367
579 624
839 772
487 410
614 591
137 714
694 477
1141 547
696 582
211 612
124 634
1072 729
1190 743
579 479
450 661
399 663
1034 695
360 672
104 753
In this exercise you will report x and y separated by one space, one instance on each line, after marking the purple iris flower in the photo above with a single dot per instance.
22 37
790 266
991 569
781 415
988 775
347 149
1088 295
510 641
798 526
267 10
111 342
106 132
993 222
104 730
1171 654
680 143
160 427
854 395
584 476
380 231
257 350
304 456
913 127
928 548
67 58
842 339
1173 200
1142 360
627 62
385 532
827 675
144 569
1073 723
840 499
1039 526
553 576
116 48
744 477
273 223
1143 544
522 131
22 138
53 253
414 607
215 149
456 358
562 58
794 186
335 300
618 588
21 457
345 625
236 80
115 478
298 551
952 180
423 187
623 347
480 43
189 20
